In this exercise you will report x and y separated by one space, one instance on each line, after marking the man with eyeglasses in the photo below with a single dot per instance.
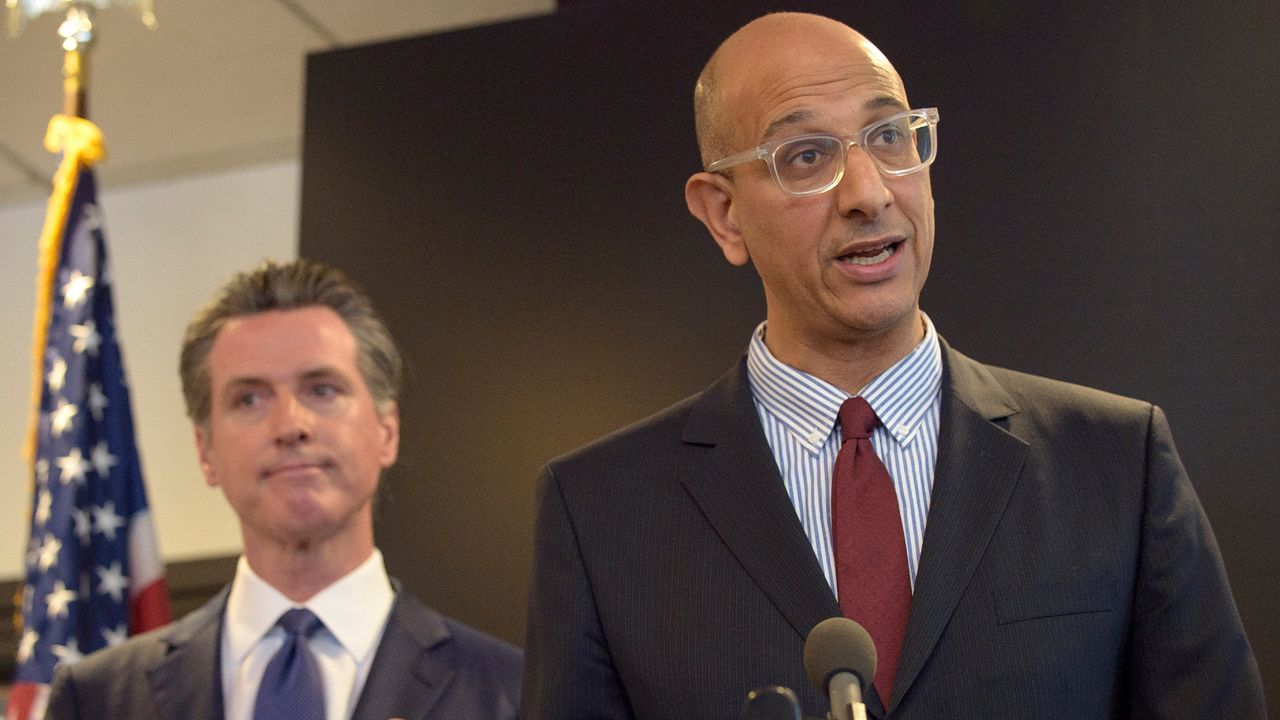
1016 547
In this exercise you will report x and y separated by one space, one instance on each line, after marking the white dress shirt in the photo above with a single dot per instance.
354 611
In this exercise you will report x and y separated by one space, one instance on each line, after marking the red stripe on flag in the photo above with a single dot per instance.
149 609
24 699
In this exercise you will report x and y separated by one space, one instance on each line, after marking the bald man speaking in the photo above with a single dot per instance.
1016 547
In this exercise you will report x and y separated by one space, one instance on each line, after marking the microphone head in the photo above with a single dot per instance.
835 645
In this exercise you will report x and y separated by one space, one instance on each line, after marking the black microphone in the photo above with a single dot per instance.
772 702
840 660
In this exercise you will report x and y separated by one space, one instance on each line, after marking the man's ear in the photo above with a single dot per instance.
389 447
202 451
710 199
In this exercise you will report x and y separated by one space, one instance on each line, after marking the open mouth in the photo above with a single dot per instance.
871 256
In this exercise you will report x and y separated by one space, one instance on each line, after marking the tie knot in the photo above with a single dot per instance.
857 419
300 622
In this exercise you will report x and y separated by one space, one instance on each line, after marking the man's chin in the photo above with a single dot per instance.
872 318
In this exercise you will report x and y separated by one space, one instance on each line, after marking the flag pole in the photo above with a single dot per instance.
75 72
80 143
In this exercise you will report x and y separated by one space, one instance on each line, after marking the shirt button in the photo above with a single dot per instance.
902 430
816 438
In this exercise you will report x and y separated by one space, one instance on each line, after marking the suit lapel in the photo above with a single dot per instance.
187 682
977 468
735 481
405 680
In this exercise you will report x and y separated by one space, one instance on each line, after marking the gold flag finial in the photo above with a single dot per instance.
77 33
79 16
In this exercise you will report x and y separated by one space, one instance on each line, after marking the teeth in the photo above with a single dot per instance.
879 257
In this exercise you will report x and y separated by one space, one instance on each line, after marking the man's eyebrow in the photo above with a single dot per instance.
789 120
881 102
327 373
320 372
242 380
798 117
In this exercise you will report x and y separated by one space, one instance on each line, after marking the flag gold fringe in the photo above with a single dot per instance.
80 143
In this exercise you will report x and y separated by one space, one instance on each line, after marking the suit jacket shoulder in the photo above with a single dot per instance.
999 391
650 450
1064 531
432 666
664 426
170 672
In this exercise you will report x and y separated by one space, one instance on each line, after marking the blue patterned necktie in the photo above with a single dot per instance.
292 688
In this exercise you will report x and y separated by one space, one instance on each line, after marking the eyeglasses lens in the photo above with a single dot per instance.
805 164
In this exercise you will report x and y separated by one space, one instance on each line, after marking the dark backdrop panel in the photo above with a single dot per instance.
1108 211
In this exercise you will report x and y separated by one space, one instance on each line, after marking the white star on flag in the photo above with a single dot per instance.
83 528
49 552
72 466
103 460
59 599
76 288
44 506
112 582
57 376
114 636
106 521
62 417
33 551
86 338
97 401
27 645
70 653
42 471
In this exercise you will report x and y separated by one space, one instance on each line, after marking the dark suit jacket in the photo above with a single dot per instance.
1067 570
427 666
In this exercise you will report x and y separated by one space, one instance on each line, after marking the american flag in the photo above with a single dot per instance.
93 574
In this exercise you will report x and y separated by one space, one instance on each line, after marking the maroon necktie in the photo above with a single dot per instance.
870 550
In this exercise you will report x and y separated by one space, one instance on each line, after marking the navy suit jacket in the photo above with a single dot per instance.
427 666
1067 569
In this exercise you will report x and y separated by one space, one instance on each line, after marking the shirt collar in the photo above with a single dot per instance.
353 608
808 406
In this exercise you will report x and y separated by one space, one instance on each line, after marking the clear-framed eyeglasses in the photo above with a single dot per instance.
811 164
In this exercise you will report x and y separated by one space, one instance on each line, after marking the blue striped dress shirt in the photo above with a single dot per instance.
799 413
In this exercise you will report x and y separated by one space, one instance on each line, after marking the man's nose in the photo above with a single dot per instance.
291 421
862 190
